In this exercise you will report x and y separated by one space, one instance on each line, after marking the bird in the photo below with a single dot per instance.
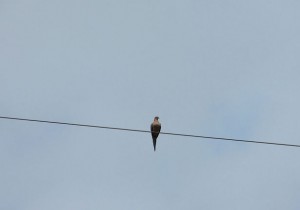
155 129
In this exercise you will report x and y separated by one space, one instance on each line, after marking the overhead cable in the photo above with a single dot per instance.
145 131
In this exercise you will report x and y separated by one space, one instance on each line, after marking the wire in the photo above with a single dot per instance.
144 131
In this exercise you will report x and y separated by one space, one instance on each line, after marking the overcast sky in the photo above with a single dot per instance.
205 67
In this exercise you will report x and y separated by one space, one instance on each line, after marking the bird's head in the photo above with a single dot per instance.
156 118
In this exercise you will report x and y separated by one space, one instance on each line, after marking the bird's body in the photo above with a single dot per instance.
155 129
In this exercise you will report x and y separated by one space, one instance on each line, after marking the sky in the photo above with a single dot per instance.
205 67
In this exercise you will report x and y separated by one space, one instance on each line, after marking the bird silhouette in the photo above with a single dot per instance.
155 129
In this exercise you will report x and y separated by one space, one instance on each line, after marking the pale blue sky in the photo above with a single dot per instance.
217 68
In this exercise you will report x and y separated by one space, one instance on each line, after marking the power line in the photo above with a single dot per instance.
145 131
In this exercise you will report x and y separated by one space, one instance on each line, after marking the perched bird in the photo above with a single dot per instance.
155 129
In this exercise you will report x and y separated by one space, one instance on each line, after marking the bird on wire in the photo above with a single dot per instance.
155 129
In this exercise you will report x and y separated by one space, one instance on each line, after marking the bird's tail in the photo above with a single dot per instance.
154 144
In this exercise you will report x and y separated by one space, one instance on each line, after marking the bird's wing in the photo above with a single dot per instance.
152 127
156 128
